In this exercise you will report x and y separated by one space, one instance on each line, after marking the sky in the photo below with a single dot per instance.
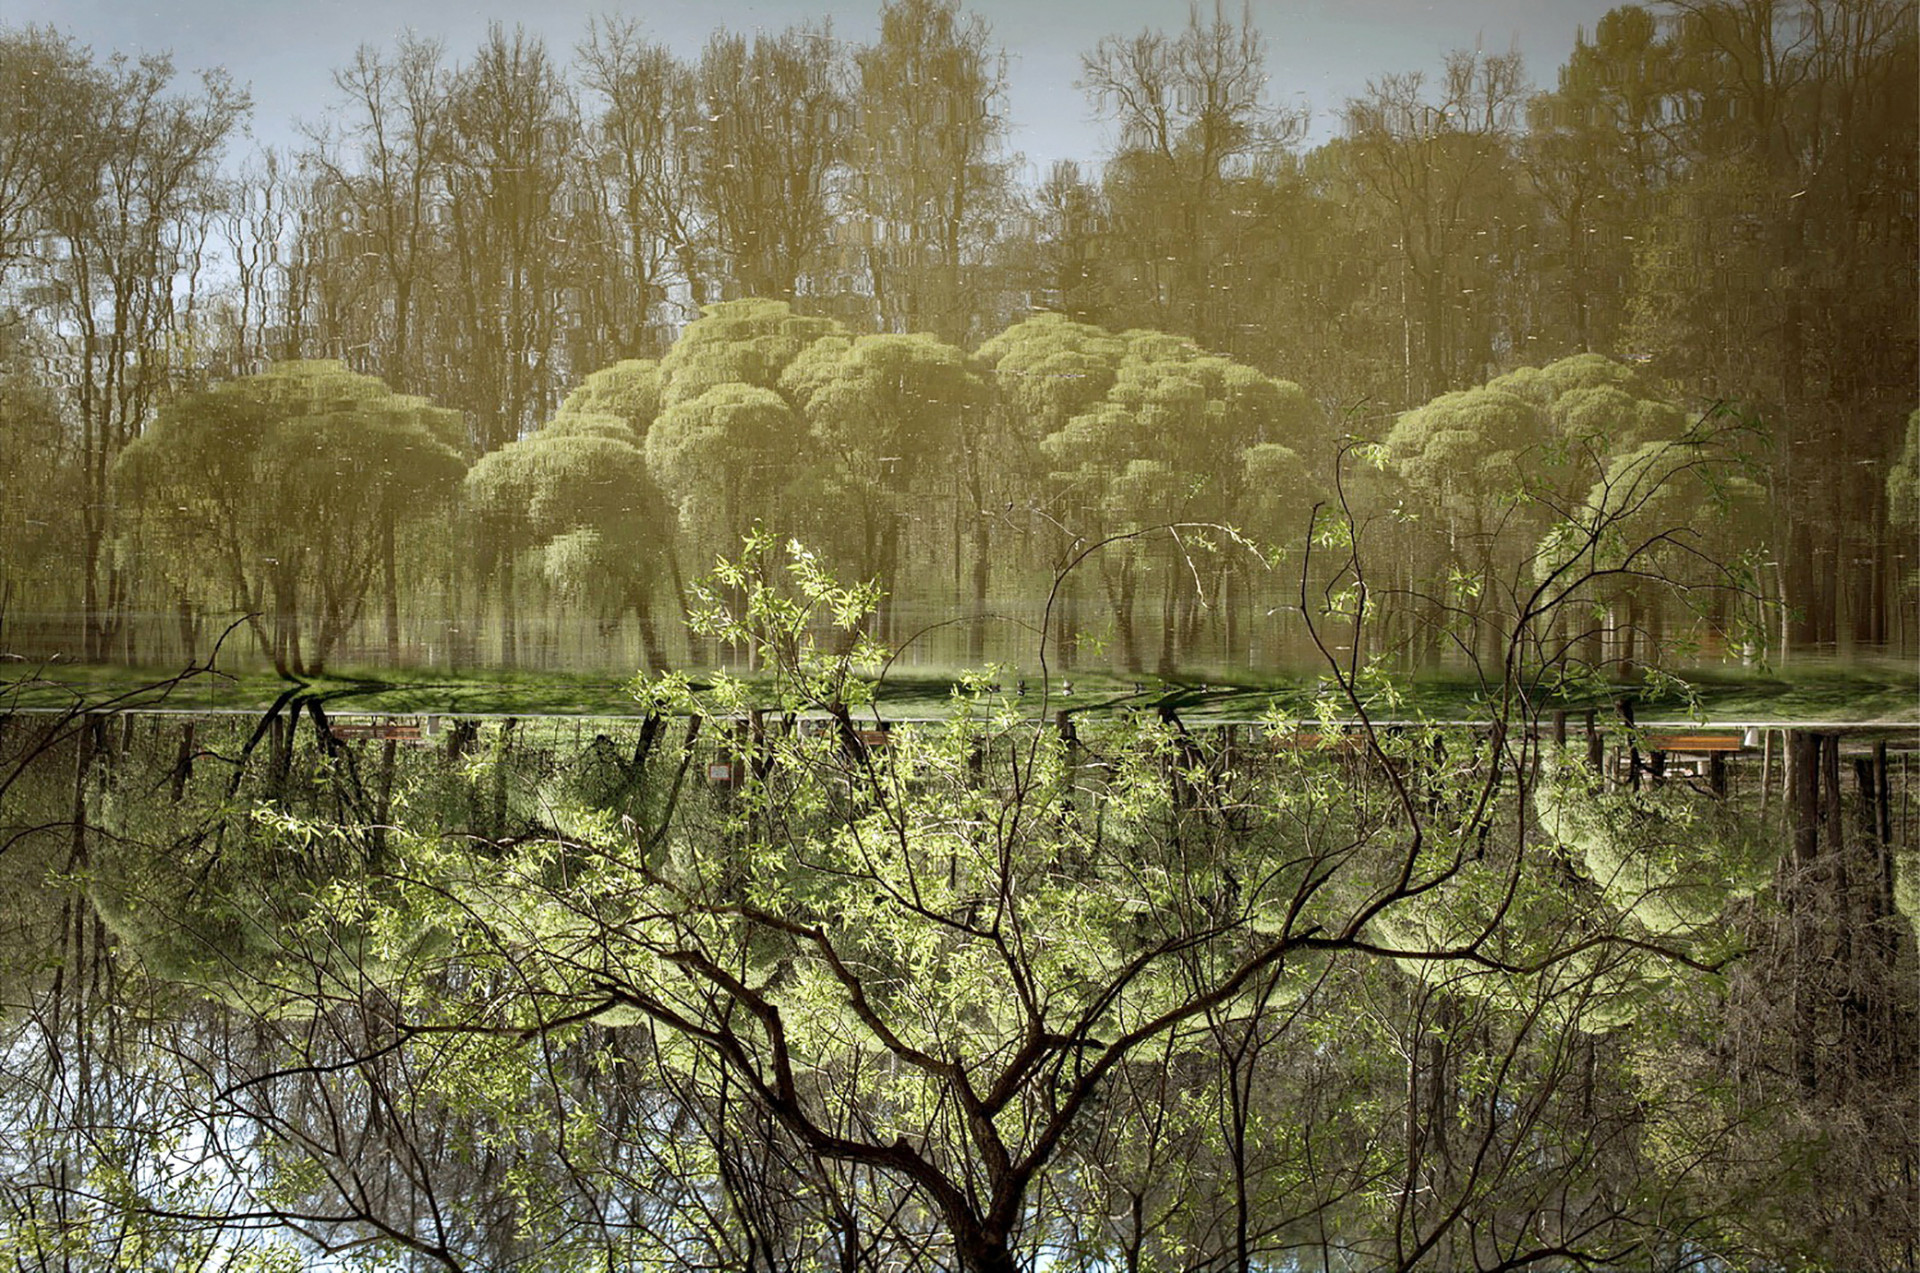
1319 52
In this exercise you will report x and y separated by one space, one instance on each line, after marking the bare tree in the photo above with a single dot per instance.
1193 118
926 181
1436 165
380 161
640 140
764 157
119 233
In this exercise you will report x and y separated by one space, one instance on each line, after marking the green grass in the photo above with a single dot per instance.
1814 692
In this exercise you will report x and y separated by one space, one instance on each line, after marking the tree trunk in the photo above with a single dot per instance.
650 637
1120 598
1169 626
1803 800
983 1250
1799 619
509 651
1232 598
182 764
188 627
1068 641
390 576
503 754
295 660
982 569
1803 795
92 622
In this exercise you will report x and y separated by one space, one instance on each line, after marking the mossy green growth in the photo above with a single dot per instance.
242 913
1906 886
1666 855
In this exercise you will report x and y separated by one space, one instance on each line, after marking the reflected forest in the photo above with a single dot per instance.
628 658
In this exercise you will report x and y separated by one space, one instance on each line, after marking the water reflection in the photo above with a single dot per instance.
663 992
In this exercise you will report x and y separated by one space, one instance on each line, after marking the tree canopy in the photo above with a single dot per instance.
273 492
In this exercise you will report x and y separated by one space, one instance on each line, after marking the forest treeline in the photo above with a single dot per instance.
526 332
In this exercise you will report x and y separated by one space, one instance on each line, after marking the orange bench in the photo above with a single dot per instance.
1693 743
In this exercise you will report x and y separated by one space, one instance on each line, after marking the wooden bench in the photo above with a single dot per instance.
1693 744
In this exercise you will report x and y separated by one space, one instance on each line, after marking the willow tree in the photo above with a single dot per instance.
724 458
1548 432
1165 445
1042 371
628 389
747 342
280 495
578 496
1458 455
889 417
1597 406
1655 519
